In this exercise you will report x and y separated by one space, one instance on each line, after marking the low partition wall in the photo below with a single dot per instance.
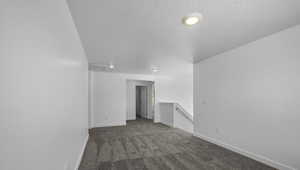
172 114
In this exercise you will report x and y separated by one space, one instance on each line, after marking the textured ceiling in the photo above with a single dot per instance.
138 34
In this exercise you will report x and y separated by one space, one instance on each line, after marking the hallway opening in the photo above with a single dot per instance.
140 99
141 102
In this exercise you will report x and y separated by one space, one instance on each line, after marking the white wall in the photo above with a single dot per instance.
90 96
167 116
168 88
43 89
249 98
109 97
177 89
183 120
174 89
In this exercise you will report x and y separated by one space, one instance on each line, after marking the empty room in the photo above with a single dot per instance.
149 85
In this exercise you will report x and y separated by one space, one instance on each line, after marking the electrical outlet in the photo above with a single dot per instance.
217 131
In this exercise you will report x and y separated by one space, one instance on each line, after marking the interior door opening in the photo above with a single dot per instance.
140 99
141 102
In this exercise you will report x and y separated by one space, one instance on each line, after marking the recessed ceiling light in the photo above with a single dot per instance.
111 66
192 19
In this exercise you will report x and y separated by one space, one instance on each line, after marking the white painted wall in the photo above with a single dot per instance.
43 89
177 89
167 113
181 122
90 102
249 98
174 89
182 119
109 91
109 97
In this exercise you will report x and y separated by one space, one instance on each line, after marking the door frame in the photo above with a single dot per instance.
131 98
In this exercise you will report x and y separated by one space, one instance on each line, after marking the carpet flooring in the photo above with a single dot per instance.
144 145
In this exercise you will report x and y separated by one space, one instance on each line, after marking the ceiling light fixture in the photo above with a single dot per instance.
111 66
155 69
192 19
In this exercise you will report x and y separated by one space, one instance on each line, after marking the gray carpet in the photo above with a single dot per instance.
142 144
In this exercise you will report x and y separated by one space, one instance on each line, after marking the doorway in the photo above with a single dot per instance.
141 102
140 99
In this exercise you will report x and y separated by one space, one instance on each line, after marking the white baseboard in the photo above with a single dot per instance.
131 119
81 152
256 157
108 124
